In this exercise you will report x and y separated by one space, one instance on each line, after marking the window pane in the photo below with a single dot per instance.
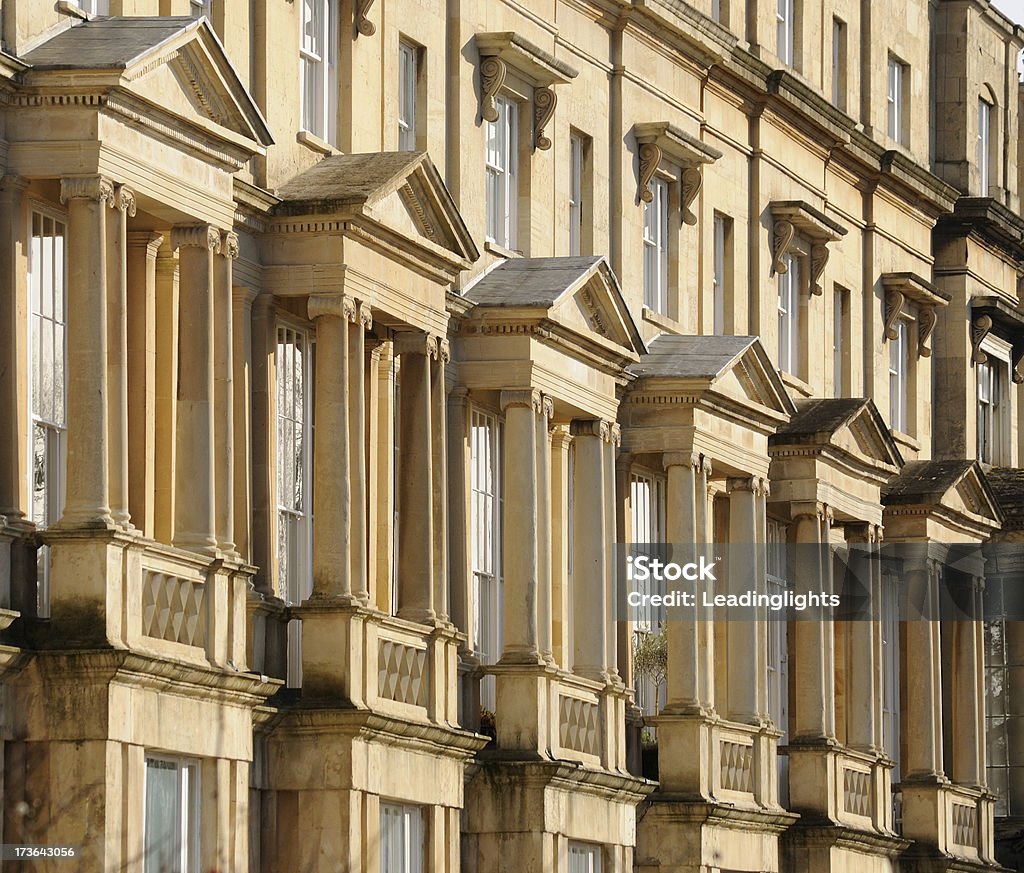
162 826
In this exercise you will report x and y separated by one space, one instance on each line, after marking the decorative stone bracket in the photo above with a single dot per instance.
790 217
901 287
501 51
362 21
659 139
994 315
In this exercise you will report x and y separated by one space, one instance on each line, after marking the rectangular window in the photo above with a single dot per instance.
789 315
991 418
840 351
402 848
839 64
487 507
656 248
584 858
95 7
200 8
898 367
720 11
896 100
721 278
408 74
171 816
777 659
317 52
984 144
1003 768
577 155
785 17
502 185
647 496
890 628
48 293
294 478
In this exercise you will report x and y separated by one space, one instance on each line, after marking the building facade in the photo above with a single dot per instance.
340 342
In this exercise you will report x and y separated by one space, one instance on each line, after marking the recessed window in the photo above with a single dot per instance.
502 176
899 366
408 75
839 64
171 816
656 248
777 660
720 11
992 417
487 521
318 80
647 496
584 858
577 158
840 341
47 285
789 315
984 146
890 628
721 278
402 848
896 101
785 18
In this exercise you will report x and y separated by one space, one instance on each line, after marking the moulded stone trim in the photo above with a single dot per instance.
86 188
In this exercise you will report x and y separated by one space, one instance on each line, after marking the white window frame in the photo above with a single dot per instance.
187 823
200 8
318 52
984 146
777 640
789 315
47 353
402 838
1000 764
585 857
840 320
839 63
899 377
655 241
577 149
487 507
993 409
501 153
294 521
719 278
408 80
896 103
94 7
785 32
648 511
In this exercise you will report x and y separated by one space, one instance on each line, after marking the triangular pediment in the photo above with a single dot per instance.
594 305
751 380
956 490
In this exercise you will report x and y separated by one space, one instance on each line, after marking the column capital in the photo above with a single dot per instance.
706 466
151 239
743 483
681 459
124 200
229 244
810 509
364 315
421 342
243 295
561 438
86 188
11 183
607 431
547 407
330 306
528 397
196 236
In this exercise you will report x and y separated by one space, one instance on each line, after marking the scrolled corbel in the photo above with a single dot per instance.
650 157
693 180
363 24
544 102
819 258
926 320
980 328
893 307
784 231
492 77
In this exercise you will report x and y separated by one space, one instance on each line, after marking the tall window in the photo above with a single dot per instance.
402 848
171 824
720 279
584 858
47 275
778 645
502 185
984 144
785 17
656 248
95 7
647 504
991 419
898 367
317 51
890 628
839 63
487 457
840 326
1004 768
720 11
408 73
896 100
576 158
789 315
294 478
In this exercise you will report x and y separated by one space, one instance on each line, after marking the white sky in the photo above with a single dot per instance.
1011 8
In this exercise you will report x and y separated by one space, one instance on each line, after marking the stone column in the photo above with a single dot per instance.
385 474
745 648
224 393
415 479
241 332
706 623
141 261
519 534
611 582
812 653
264 443
357 447
684 643
194 521
165 426
862 685
921 704
544 610
439 472
87 501
590 555
123 205
332 492
561 560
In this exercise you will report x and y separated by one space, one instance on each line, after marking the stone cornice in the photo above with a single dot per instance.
990 220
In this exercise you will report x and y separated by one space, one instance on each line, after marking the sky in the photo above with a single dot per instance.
1011 9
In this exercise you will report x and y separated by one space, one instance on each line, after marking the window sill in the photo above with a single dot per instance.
499 250
795 384
662 321
312 141
67 7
